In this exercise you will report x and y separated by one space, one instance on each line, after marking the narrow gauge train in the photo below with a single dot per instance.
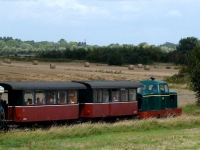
35 102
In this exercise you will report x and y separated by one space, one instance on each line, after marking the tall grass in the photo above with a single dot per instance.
125 134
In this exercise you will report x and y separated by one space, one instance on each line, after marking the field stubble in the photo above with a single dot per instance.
26 71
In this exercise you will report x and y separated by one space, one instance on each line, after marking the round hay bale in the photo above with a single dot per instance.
35 62
8 61
5 60
86 64
139 65
146 67
168 67
131 67
52 66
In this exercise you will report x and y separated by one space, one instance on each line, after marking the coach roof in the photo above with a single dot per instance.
60 85
110 84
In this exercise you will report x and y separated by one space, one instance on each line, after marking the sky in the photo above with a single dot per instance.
101 22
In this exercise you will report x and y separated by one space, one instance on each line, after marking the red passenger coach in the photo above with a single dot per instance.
108 99
41 101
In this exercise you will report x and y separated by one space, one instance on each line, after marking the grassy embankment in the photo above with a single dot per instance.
171 133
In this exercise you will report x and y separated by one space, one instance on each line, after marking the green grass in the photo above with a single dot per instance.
191 109
169 133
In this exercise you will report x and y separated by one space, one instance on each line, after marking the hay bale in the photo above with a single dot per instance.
139 65
168 67
5 60
146 67
86 64
35 62
131 67
52 66
8 61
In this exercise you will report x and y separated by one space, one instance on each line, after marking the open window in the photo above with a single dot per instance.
115 95
29 98
40 97
51 97
72 97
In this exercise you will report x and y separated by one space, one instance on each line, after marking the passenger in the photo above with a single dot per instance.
29 101
37 101
51 101
70 101
154 89
40 102
114 99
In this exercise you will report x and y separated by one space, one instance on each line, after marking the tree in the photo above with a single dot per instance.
2 44
187 44
114 58
193 70
12 43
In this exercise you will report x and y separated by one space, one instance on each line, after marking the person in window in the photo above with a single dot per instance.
155 89
40 102
114 99
70 101
51 101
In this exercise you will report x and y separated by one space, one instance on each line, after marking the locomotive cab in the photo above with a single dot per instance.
155 100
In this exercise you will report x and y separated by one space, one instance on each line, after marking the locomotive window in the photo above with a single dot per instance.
40 98
105 96
124 95
29 98
115 95
164 88
62 97
132 94
153 88
51 97
72 97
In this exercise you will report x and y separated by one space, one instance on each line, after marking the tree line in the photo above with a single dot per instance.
113 54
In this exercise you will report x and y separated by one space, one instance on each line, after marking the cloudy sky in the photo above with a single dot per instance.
101 22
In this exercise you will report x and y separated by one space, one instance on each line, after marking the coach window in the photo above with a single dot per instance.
97 96
62 97
40 97
115 95
132 94
29 98
124 95
94 96
72 97
105 96
51 97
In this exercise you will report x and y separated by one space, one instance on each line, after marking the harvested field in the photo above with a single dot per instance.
26 71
